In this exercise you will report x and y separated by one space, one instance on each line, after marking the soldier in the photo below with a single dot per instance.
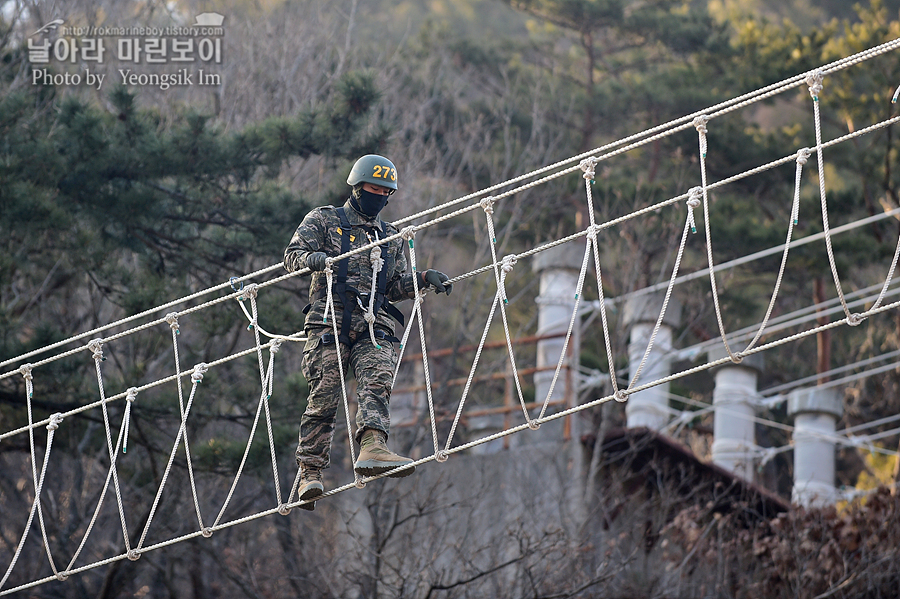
364 287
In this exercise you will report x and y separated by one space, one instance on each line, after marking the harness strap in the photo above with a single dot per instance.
344 291
340 285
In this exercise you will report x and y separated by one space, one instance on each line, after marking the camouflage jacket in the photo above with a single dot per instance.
320 231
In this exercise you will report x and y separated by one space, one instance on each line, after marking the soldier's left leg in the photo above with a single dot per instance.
374 371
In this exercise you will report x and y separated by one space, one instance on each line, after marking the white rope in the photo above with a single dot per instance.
96 347
409 234
377 264
55 420
196 378
802 156
172 319
507 264
814 81
501 270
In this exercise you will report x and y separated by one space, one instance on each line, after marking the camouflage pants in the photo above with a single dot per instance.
374 372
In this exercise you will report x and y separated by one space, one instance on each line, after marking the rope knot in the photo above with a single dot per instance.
694 197
508 263
25 371
199 370
737 358
376 259
55 421
803 155
369 317
487 204
172 319
855 319
62 576
588 166
275 345
442 456
534 425
249 292
699 123
814 81
96 347
131 394
284 510
206 532
134 555
621 395
408 233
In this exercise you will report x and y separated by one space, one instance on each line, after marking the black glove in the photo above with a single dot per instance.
316 261
438 280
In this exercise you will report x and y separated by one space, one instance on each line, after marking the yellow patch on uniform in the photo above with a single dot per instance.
352 237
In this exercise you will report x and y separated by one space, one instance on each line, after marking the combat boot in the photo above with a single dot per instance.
310 486
375 458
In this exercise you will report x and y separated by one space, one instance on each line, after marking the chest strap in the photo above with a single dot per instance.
343 290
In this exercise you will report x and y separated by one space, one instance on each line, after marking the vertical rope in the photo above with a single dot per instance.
55 420
802 156
96 347
588 165
700 125
196 378
506 266
329 309
409 234
814 81
265 382
172 319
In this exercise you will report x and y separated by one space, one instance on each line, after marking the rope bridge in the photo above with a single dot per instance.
267 345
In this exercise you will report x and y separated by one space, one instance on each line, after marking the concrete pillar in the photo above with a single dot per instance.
649 408
558 268
816 412
734 399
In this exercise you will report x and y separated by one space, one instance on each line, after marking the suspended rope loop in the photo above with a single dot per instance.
196 377
563 354
814 81
172 319
700 123
507 264
689 221
130 397
96 347
266 381
803 155
694 200
592 231
472 369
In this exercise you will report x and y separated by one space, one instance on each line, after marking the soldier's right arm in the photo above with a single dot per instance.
308 238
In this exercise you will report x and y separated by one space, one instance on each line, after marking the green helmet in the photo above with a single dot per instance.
374 169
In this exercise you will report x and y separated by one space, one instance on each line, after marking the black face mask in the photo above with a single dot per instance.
368 203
